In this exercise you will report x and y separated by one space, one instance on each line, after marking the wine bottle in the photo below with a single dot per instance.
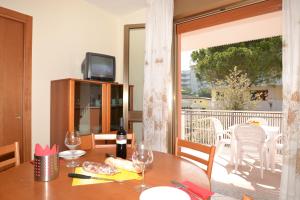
121 141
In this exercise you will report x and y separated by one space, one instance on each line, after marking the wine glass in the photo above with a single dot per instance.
142 156
72 140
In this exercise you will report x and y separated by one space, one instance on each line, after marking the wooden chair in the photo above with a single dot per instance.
87 142
104 138
245 197
11 148
209 150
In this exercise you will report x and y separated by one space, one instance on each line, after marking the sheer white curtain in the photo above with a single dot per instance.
157 72
290 179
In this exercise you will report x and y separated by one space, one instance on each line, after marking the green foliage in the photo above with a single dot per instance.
260 59
204 92
233 93
186 91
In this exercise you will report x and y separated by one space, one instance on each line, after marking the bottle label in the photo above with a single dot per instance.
121 139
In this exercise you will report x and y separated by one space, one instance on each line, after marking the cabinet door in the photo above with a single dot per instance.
88 108
116 106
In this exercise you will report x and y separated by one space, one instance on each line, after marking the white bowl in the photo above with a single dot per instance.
71 154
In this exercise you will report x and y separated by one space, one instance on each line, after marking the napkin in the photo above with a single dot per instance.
253 122
200 191
123 175
40 151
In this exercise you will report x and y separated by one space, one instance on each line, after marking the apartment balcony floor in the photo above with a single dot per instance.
247 179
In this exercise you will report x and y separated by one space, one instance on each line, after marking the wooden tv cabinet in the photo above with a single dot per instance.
85 106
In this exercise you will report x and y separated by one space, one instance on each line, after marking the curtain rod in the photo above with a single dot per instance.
219 10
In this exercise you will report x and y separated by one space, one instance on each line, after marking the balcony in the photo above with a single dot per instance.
225 180
193 130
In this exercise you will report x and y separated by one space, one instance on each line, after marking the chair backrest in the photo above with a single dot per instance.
15 160
209 150
210 123
207 130
249 134
108 140
87 142
260 121
217 125
280 141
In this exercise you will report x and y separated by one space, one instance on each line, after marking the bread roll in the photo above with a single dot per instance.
122 164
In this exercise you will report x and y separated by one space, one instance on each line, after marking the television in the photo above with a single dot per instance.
100 67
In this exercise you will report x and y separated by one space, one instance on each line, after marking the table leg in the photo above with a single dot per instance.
272 158
272 153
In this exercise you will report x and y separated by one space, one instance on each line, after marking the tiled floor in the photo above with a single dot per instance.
246 180
218 196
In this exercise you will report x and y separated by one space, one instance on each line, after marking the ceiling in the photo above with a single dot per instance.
185 8
182 8
119 7
234 32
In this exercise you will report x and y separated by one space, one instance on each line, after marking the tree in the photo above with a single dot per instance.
186 91
204 92
233 93
260 59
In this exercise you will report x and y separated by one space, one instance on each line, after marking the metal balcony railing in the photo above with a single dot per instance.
195 129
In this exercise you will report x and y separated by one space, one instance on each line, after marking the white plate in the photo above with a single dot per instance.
163 193
71 154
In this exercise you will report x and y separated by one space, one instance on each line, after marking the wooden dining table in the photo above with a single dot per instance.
19 183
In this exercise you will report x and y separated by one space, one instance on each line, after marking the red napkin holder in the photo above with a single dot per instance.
46 163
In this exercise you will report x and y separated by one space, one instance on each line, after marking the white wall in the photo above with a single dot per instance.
63 30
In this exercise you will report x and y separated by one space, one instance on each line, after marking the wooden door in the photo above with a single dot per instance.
15 84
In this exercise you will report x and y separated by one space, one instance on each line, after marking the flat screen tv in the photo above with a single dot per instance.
100 67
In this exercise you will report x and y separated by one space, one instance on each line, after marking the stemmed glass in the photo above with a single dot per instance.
142 156
72 140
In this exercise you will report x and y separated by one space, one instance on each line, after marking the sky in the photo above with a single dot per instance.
186 60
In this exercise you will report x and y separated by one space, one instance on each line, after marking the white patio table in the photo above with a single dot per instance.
271 132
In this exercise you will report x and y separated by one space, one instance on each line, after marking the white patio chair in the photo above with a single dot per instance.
248 135
279 141
210 131
277 145
212 128
222 137
261 121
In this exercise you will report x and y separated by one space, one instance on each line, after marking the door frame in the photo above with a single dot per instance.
26 20
129 114
232 12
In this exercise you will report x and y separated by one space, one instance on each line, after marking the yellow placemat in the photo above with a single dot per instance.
123 175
